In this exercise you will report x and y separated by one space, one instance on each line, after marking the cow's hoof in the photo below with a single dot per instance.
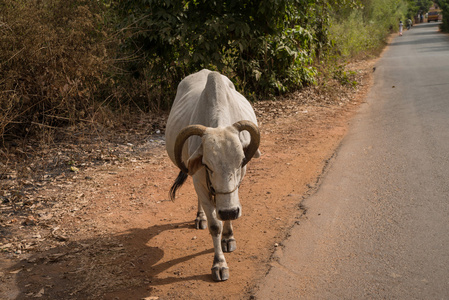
200 224
220 273
228 245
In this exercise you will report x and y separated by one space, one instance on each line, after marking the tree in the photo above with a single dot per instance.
444 5
266 47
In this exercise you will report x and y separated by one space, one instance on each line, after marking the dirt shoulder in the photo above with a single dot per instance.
96 222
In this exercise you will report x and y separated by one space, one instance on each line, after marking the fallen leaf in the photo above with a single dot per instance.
40 293
30 220
6 246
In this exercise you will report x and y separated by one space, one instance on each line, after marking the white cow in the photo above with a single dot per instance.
225 137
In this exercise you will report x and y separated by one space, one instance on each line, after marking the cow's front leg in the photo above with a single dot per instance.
228 243
201 220
220 270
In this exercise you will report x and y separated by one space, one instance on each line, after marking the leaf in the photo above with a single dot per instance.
40 293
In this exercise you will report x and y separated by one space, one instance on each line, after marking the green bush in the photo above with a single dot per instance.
364 29
265 47
444 5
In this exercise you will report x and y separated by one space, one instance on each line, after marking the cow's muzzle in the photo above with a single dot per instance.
229 214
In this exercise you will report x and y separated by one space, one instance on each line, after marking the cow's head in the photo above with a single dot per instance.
223 157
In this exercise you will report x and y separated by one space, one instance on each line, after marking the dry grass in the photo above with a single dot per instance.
53 56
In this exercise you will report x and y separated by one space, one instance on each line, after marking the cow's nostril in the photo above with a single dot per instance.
226 215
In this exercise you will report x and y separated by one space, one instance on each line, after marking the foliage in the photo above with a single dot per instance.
345 77
51 63
444 5
363 29
265 46
423 5
66 62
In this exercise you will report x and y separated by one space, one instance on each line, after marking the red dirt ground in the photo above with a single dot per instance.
111 232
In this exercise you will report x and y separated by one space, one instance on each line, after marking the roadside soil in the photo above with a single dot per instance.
91 219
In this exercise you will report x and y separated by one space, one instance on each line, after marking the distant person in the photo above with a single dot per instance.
422 18
409 24
400 27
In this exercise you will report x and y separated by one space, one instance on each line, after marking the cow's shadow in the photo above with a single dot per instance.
102 268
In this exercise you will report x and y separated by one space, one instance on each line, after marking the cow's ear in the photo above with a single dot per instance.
195 162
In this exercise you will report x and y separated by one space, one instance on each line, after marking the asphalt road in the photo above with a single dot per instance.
378 226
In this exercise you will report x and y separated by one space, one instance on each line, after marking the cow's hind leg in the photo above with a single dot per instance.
228 243
201 220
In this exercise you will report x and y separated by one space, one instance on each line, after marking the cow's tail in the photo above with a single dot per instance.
179 181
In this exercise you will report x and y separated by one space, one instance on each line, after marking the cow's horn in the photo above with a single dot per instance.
255 138
183 135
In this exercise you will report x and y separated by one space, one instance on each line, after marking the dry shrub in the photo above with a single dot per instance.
52 62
